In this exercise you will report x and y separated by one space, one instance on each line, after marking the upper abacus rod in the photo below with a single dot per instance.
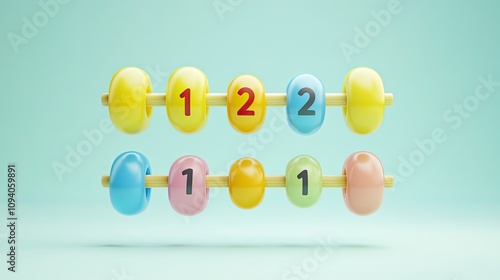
214 181
272 99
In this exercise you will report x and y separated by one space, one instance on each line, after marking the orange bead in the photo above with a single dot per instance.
247 182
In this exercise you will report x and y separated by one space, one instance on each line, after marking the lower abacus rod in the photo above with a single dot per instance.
213 181
272 99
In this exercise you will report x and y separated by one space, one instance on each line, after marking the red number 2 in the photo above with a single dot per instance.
243 111
186 94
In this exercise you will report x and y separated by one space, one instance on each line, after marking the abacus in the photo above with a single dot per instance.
130 182
187 100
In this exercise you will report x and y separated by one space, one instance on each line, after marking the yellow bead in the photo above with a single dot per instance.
127 100
186 99
365 100
246 103
246 183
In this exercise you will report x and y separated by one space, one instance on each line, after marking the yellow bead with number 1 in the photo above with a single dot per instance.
186 99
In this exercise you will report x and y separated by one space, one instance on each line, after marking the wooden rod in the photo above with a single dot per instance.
214 181
272 99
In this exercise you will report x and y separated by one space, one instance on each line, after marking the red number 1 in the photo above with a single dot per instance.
186 94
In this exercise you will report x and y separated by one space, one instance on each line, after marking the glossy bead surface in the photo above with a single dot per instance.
127 181
127 100
187 187
247 183
304 181
305 104
364 189
246 103
364 90
186 99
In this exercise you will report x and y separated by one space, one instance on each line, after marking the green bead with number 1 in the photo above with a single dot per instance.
304 181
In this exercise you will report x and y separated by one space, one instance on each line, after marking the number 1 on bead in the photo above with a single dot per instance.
305 184
187 101
189 182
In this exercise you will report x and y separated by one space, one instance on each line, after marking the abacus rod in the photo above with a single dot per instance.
213 181
272 99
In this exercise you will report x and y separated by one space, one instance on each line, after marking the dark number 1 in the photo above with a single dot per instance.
305 184
189 183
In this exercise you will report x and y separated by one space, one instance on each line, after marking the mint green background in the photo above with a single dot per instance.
440 222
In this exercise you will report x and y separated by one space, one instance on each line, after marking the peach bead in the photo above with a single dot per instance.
364 189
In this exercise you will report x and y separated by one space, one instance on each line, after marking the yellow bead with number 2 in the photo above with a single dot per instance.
246 103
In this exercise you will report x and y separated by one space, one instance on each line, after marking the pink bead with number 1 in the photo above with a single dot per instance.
187 188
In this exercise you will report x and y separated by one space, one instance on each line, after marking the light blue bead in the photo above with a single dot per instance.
305 104
127 183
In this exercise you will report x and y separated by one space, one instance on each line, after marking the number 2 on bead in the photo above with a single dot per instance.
187 102
189 182
304 111
305 184
243 111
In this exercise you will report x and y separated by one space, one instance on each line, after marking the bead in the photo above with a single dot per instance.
127 100
187 187
364 189
305 104
186 99
365 100
246 183
303 181
127 190
246 103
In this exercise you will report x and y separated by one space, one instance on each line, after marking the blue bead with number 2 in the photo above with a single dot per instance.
305 104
